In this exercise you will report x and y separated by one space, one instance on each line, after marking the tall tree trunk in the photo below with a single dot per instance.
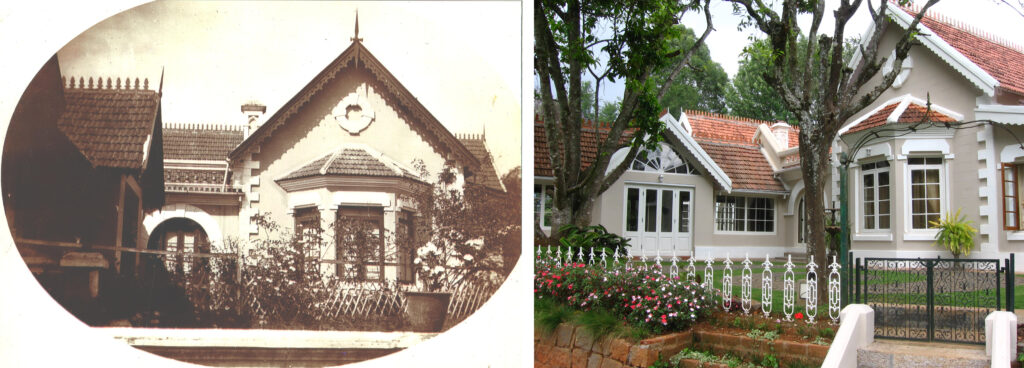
815 164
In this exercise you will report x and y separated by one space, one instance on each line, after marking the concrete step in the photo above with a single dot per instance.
895 353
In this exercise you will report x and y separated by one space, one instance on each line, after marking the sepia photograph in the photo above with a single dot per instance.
270 183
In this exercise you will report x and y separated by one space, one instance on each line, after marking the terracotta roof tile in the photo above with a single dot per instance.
588 146
996 57
727 139
110 127
745 165
352 161
486 175
912 114
198 142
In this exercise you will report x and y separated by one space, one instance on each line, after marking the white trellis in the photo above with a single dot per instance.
811 302
709 275
746 285
727 284
766 287
691 270
559 257
834 300
789 290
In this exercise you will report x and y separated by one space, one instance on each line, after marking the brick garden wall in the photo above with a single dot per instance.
571 346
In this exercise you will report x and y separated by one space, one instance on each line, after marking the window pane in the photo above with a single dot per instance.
1011 219
883 193
666 211
651 212
684 212
919 222
632 209
932 206
869 194
549 195
883 178
883 207
869 180
915 161
917 176
933 160
869 209
932 176
869 222
917 206
882 164
883 221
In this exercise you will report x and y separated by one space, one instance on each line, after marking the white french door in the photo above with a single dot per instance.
658 220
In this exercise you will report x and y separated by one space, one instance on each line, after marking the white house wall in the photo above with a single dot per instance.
313 132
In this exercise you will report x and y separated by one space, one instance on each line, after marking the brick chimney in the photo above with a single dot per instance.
253 111
781 130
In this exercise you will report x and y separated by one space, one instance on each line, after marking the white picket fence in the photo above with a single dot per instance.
789 301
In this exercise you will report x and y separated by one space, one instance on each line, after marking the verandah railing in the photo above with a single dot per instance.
723 285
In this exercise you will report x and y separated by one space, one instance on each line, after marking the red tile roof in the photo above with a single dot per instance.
721 128
999 58
588 146
729 142
486 175
199 142
745 164
111 127
727 139
912 114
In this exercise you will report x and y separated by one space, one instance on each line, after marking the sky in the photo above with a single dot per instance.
217 55
726 41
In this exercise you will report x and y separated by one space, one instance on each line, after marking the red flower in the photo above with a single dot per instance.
799 315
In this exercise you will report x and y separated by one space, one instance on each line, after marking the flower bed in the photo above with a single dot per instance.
640 297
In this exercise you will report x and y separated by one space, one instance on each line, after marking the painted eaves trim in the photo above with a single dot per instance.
1013 115
903 102
974 73
690 144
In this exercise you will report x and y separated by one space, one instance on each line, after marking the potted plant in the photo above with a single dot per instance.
955 234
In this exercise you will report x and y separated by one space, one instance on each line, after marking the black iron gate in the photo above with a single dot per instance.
933 299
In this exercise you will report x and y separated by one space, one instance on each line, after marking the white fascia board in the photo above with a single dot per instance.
979 77
700 154
1013 115
869 113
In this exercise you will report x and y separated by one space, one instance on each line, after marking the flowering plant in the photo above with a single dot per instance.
641 297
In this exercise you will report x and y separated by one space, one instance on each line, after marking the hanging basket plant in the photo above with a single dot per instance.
955 234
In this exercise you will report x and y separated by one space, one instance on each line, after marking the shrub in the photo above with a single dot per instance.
955 234
594 237
640 297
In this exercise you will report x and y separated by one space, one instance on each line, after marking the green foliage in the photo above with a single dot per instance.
704 358
548 314
749 95
955 234
662 363
770 360
827 332
763 335
595 236
609 110
701 86
655 302
599 323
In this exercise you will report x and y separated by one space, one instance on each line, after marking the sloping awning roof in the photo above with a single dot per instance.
353 160
111 127
901 110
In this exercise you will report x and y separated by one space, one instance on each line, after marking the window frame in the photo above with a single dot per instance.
362 212
926 233
870 168
747 218
659 154
405 273
543 202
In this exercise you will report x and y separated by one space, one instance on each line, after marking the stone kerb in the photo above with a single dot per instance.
571 346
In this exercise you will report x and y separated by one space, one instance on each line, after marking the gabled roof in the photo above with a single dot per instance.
200 142
112 127
901 110
987 62
722 144
357 56
728 140
486 175
1001 59
355 160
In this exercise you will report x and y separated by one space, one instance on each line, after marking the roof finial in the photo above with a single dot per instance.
356 37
